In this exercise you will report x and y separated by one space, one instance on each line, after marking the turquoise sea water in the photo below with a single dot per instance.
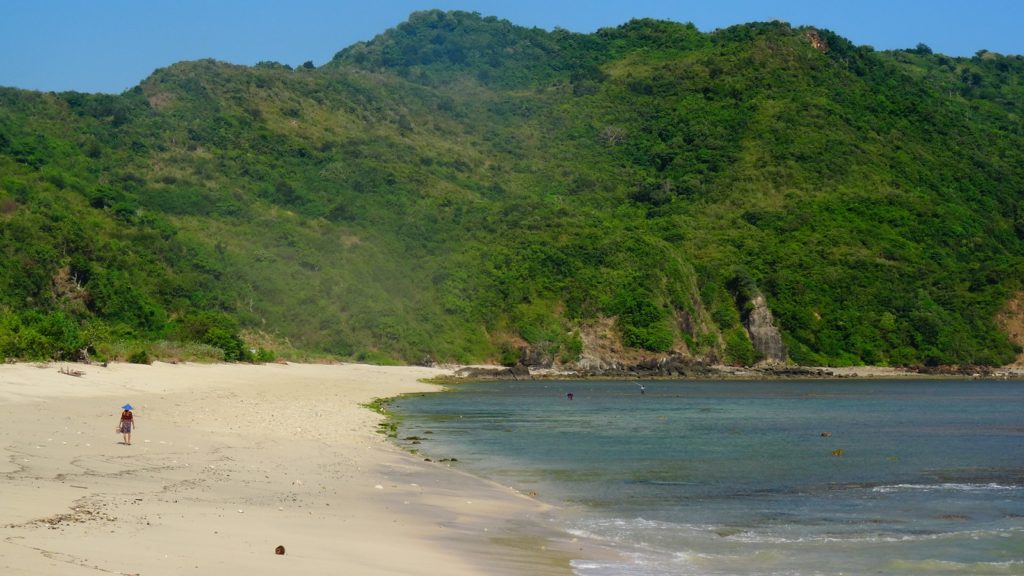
740 477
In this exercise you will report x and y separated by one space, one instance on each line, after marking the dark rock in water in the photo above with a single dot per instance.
279 550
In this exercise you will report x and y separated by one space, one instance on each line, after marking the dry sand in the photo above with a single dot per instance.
230 461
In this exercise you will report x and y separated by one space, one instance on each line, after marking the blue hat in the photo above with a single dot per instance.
127 406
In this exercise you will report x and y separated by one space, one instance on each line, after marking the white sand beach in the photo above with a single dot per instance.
229 462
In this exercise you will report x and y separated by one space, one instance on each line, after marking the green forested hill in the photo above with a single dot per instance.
461 188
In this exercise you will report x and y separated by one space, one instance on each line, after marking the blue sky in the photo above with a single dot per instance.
112 45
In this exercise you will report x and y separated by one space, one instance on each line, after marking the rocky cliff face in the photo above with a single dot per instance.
1011 320
764 335
604 354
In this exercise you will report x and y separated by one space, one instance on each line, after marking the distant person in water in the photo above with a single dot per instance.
643 390
126 424
569 395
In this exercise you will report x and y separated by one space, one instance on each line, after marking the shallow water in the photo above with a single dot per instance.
740 477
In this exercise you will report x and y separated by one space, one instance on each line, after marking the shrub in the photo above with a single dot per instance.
140 357
263 356
738 348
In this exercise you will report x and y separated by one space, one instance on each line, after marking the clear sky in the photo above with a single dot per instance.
112 45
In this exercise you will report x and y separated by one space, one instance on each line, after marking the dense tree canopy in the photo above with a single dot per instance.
462 188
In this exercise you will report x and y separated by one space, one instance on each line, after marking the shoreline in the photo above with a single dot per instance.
230 461
675 371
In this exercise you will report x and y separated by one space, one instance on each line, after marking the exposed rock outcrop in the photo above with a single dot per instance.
764 335
817 42
1011 320
675 365
535 357
494 372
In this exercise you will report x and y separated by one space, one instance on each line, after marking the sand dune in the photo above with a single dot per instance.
229 462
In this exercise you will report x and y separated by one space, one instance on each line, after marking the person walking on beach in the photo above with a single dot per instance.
127 423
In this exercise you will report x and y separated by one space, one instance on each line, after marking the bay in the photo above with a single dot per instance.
746 477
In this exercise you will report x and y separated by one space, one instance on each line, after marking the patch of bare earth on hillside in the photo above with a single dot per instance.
160 100
603 348
1011 320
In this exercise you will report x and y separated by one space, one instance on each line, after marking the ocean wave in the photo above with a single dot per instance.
950 567
627 531
661 548
641 533
952 487
754 537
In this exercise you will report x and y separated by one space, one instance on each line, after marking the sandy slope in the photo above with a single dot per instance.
230 461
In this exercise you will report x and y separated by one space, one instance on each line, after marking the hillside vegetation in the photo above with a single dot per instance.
464 189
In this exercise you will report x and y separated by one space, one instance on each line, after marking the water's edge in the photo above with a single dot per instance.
731 467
